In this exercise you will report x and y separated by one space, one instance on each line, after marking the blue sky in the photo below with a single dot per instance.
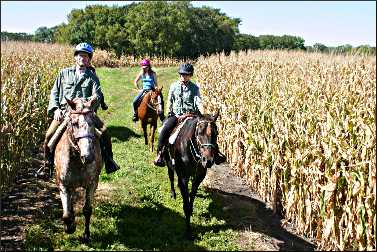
331 23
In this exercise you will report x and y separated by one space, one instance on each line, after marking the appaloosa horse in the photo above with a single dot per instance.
78 162
191 154
148 111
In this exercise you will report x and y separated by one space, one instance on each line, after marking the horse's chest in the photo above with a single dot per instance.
80 175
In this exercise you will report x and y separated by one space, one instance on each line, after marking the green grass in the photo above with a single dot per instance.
138 213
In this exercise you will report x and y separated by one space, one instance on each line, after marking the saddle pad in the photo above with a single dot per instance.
58 133
173 136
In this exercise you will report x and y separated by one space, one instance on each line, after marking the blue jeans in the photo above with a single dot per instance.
137 100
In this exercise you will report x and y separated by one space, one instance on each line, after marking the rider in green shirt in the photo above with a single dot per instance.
183 100
78 82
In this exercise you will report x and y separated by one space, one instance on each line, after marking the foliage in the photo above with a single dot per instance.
16 36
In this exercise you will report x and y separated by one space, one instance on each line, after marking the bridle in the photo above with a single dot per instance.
194 150
77 137
153 105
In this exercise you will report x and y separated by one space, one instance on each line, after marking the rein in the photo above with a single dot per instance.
152 105
78 136
194 150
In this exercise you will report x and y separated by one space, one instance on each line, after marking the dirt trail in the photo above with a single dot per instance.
33 198
260 228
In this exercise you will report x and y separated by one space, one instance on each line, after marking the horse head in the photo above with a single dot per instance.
81 127
206 138
156 100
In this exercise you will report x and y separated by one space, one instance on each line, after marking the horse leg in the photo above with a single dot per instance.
89 195
152 132
171 178
144 126
183 186
68 212
195 185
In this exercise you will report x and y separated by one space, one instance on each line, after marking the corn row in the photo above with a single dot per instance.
301 128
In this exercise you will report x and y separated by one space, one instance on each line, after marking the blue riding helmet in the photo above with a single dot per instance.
84 47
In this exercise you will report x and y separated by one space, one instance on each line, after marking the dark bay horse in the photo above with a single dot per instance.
191 154
148 111
78 162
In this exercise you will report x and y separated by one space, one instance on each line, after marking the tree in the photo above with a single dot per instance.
318 47
44 34
245 42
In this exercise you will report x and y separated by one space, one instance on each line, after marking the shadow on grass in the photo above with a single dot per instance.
121 133
246 213
152 227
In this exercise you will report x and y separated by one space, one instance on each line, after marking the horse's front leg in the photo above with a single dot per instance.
144 126
89 195
68 212
195 185
152 132
183 186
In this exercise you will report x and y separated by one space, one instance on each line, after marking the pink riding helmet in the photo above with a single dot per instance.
145 62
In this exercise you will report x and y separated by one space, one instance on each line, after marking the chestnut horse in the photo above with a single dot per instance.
148 111
78 162
191 154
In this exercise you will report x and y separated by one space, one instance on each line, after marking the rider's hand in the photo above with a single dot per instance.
58 115
181 118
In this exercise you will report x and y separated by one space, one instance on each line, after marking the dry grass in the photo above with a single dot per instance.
301 128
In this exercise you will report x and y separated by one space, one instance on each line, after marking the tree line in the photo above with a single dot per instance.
165 29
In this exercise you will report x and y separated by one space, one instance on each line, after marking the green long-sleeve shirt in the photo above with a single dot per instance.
67 84
184 98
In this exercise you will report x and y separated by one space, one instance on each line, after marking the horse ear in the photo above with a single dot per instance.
71 103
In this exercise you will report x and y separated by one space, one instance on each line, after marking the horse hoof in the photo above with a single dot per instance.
86 239
69 229
189 236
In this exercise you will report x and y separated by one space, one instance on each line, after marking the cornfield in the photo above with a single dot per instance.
301 128
28 71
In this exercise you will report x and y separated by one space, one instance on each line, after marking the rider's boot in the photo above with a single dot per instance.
162 117
49 156
107 154
135 117
104 105
159 161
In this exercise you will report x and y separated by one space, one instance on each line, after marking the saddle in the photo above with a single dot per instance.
142 97
176 130
60 130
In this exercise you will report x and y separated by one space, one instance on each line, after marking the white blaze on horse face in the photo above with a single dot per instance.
85 143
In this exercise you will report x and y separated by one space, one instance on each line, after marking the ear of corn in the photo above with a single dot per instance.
301 128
